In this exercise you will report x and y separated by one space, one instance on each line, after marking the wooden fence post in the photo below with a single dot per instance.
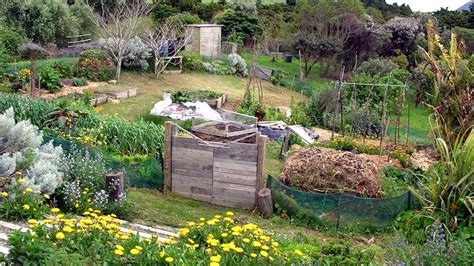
170 132
114 182
265 203
261 153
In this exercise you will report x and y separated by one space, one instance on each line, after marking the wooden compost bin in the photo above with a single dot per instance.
226 174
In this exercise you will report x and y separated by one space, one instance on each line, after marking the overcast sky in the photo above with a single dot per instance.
430 5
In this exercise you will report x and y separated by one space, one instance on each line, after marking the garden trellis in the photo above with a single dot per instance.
398 91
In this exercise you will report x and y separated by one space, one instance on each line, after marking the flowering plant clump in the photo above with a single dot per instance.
21 203
99 239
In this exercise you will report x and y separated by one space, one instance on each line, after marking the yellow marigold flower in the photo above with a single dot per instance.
26 207
264 247
68 229
214 264
211 222
229 213
32 221
224 234
208 251
119 247
89 200
134 251
4 194
22 180
264 253
239 250
229 220
37 192
191 223
139 248
29 189
124 237
113 215
216 258
118 252
169 259
60 235
162 254
246 240
218 216
202 219
60 216
76 205
195 246
46 196
275 244
298 252
235 233
55 210
253 255
184 231
257 244
86 213
190 241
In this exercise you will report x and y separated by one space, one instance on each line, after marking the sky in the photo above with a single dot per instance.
430 5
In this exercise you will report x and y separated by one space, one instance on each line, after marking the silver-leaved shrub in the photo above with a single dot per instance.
21 149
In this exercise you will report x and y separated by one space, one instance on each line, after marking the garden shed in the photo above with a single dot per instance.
205 40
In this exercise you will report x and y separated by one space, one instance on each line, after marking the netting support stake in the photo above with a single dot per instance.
409 200
338 212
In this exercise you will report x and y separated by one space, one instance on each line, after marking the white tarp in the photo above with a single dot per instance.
184 111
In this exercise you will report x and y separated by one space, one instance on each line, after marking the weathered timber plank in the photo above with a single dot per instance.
190 180
192 153
235 178
190 143
192 173
234 164
229 186
204 198
170 132
250 171
238 195
192 165
247 155
261 147
233 204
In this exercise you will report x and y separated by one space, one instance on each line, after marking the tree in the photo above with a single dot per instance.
244 24
166 41
323 29
119 25
404 32
32 51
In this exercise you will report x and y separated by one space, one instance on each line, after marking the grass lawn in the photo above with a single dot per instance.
151 90
419 125
292 69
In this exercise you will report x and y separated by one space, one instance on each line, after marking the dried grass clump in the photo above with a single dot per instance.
329 171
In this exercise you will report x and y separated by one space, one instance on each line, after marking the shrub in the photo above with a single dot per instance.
401 61
136 54
64 69
216 68
241 23
185 18
79 82
237 65
377 66
50 79
204 242
94 65
191 61
21 148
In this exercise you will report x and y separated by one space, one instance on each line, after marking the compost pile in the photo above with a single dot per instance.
329 171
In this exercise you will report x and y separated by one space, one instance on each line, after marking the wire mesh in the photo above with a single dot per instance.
338 209
145 174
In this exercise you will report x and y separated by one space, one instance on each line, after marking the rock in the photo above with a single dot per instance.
113 82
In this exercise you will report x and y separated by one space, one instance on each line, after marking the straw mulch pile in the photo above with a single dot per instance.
331 171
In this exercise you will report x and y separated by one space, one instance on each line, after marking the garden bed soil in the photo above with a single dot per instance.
424 157
66 90
330 171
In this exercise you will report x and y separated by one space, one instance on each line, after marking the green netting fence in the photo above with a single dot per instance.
145 174
338 209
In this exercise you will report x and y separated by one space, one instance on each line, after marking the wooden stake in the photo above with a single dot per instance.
261 154
170 132
115 185
384 107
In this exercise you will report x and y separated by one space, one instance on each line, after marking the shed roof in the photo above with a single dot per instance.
204 25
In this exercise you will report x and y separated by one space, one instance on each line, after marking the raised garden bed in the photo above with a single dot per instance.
213 99
106 95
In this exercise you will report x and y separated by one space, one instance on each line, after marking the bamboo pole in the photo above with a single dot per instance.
384 107
408 115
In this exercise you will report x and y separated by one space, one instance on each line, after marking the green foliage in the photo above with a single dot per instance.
42 21
64 69
50 79
377 66
109 132
191 61
98 239
449 183
94 65
243 24
401 61
299 114
274 114
182 96
20 203
79 82
9 43
397 180
185 19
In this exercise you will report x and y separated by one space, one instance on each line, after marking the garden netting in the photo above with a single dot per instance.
338 209
145 174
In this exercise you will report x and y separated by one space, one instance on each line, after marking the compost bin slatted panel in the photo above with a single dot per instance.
220 174
235 175
192 167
